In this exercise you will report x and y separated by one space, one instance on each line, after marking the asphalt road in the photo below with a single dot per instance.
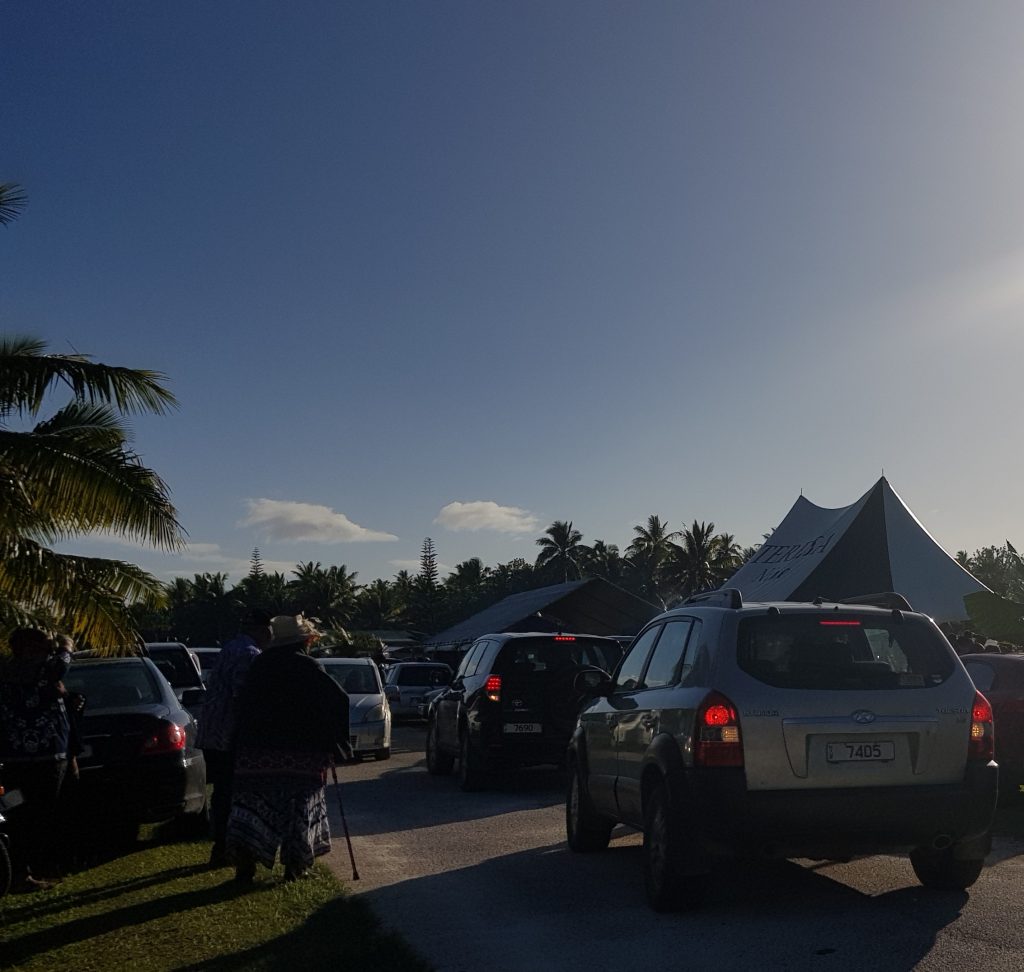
484 882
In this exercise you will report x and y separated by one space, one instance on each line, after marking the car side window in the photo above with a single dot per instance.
667 658
628 677
471 659
478 656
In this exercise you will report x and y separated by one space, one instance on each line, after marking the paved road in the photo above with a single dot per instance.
483 882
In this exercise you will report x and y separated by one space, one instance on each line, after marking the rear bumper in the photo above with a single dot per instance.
840 822
149 789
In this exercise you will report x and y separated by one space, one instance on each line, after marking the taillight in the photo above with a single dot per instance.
565 638
982 742
718 741
492 688
168 737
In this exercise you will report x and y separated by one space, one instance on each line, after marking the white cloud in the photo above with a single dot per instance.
486 515
287 520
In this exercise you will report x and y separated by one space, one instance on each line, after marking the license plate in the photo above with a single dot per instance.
860 752
522 727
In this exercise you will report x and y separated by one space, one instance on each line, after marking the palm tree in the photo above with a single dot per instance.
650 548
560 548
603 560
70 474
329 595
695 564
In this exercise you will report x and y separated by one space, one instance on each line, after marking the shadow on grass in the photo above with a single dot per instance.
80 929
343 934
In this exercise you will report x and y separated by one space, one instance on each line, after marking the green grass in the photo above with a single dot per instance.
159 908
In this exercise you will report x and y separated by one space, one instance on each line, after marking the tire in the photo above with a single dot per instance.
382 754
471 776
5 868
941 871
666 859
585 830
438 763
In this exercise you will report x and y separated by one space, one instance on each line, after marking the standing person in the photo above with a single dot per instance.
34 738
216 736
292 720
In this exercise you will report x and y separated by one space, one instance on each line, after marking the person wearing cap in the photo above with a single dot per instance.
292 721
216 735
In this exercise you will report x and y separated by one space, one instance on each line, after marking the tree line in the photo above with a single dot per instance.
660 565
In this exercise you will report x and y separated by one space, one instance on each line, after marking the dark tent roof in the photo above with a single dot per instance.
873 545
593 606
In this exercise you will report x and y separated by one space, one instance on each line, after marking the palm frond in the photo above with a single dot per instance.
12 202
27 374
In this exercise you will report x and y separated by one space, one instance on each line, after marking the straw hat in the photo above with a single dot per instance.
291 629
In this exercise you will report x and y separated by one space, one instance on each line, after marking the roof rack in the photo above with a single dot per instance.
884 599
728 597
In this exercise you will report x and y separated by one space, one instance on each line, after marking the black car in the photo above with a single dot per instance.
512 702
180 665
139 760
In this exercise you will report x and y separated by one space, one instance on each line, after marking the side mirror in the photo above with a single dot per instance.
193 696
392 693
592 682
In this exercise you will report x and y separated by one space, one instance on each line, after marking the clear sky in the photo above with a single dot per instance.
459 269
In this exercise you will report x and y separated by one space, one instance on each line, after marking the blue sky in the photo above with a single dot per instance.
461 269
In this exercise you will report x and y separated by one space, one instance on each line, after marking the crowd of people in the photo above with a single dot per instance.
273 722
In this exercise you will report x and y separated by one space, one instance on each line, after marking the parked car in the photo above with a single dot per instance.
206 657
405 684
179 664
9 799
140 759
513 702
822 730
369 712
1000 678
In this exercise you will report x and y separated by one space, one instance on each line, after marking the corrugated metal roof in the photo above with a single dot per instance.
593 606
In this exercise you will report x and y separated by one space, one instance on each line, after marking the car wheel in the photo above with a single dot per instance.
665 857
941 871
438 763
471 776
384 753
585 830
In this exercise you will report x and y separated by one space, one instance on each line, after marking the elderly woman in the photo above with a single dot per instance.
292 719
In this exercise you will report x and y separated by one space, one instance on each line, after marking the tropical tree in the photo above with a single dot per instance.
703 560
72 474
561 549
378 606
603 559
328 594
647 554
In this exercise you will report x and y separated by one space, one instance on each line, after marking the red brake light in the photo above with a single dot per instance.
167 738
564 638
718 741
981 745
839 624
492 688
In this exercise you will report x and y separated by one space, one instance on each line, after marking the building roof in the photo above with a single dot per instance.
593 606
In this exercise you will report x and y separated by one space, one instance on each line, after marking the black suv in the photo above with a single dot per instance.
820 730
513 702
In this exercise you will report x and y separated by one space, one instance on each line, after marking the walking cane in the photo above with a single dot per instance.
344 822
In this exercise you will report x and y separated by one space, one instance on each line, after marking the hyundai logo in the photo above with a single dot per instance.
863 716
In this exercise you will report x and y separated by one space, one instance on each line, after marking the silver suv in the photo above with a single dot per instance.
821 730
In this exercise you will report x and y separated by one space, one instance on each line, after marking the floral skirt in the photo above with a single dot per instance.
279 803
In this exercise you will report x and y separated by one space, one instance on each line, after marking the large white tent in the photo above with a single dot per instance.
873 545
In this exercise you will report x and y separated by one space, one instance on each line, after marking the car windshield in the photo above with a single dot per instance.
816 651
354 679
113 685
549 654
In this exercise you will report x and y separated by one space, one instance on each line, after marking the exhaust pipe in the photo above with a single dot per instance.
942 842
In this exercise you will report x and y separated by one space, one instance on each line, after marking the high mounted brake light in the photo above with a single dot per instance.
840 624
565 638
981 745
492 688
718 741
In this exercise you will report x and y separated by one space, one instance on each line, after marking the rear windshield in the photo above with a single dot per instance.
424 675
816 652
547 654
177 666
112 686
355 679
